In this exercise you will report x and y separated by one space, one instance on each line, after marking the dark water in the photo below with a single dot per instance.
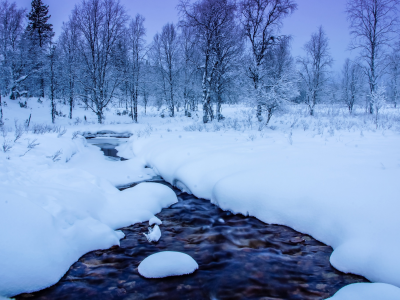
239 258
107 145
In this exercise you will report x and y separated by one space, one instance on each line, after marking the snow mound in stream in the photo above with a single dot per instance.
154 234
167 263
362 291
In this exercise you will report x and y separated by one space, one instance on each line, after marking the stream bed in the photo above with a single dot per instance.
239 258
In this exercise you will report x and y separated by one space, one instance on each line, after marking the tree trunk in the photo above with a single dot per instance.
219 106
1 112
269 116
42 87
259 113
71 100
99 116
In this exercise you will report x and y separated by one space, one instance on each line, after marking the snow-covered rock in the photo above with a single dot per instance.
167 263
154 234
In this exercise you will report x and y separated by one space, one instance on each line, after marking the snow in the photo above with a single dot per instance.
51 213
362 291
333 176
154 234
167 263
155 220
343 190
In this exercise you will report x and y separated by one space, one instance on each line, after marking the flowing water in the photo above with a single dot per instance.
239 258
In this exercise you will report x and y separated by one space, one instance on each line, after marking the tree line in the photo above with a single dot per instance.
221 51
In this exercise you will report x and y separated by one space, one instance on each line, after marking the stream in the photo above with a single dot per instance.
239 258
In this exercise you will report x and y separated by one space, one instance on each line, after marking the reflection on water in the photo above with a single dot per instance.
239 258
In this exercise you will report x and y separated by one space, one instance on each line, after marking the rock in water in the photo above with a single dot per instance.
167 263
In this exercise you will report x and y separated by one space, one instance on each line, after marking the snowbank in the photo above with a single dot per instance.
343 190
167 263
54 211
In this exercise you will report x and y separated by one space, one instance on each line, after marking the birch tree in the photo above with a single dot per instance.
15 67
68 45
101 24
394 76
136 48
190 68
279 82
207 18
373 25
228 49
352 84
314 68
261 20
11 18
166 53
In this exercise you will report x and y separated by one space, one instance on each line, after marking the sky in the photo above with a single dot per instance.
309 16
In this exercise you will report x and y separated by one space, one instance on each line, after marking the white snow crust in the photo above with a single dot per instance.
167 263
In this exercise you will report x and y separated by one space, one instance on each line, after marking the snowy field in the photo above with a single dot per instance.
334 176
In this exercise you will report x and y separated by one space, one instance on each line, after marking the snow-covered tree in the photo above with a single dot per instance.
11 30
228 49
394 76
14 64
166 54
101 24
69 59
136 53
207 18
279 80
373 26
352 84
39 32
378 100
315 67
261 20
189 71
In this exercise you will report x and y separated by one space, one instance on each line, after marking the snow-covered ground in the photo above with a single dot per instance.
333 176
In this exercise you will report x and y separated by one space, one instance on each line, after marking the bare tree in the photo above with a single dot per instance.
68 44
14 63
228 49
190 67
261 21
136 47
373 24
352 83
314 68
166 52
207 18
279 81
101 24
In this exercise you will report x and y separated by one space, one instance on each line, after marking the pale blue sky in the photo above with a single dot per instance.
311 14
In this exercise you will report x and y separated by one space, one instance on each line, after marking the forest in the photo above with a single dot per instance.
220 52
